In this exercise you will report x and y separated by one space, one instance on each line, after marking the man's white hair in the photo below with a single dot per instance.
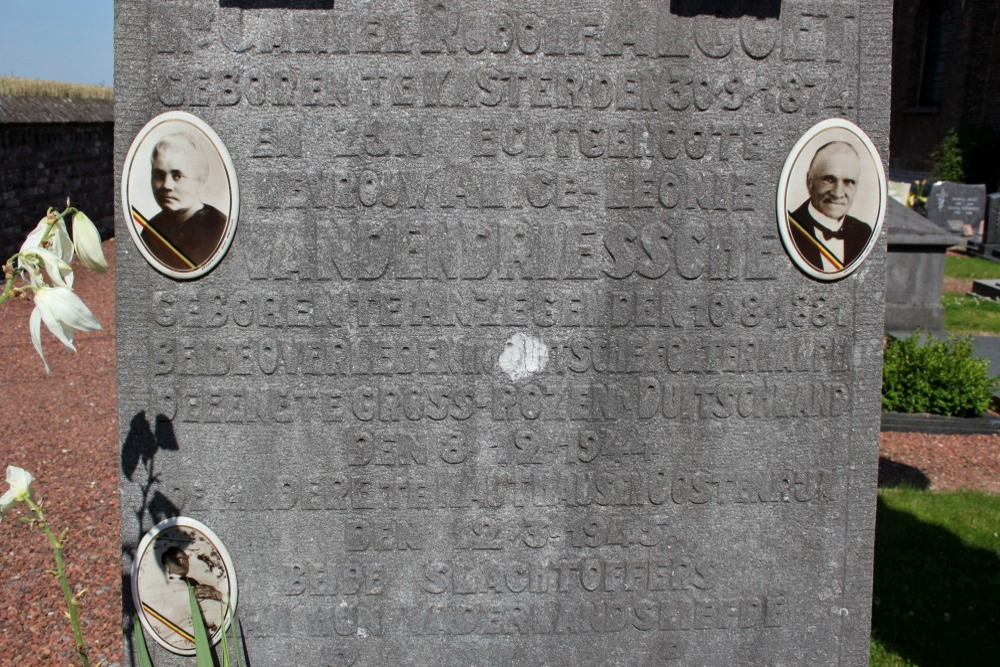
837 146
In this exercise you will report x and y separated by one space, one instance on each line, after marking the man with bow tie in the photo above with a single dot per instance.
825 236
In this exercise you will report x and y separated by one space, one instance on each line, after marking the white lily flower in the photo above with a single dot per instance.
87 241
28 262
20 481
34 239
59 271
32 265
64 313
58 242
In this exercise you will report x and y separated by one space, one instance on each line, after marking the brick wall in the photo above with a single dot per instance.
971 94
982 88
43 163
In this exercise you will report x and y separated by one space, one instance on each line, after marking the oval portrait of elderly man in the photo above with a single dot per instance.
178 554
831 199
179 195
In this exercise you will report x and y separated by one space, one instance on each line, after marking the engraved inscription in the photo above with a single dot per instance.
508 350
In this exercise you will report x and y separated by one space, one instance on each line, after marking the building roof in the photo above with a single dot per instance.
17 109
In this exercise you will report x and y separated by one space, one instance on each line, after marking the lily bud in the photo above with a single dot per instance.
87 241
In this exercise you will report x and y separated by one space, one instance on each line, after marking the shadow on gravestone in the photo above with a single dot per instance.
277 4
934 601
216 648
762 9
892 474
140 448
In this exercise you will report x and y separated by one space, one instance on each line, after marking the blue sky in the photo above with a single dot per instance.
62 40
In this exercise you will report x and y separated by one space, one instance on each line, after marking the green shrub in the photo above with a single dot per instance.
923 374
948 160
968 155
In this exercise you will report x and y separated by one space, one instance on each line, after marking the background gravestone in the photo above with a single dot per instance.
507 363
991 229
951 206
916 249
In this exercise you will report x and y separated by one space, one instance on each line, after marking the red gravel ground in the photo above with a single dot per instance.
62 428
943 462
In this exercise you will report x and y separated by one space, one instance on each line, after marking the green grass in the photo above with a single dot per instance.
937 579
13 85
964 313
970 314
970 268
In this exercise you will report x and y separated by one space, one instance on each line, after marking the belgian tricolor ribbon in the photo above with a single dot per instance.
837 264
138 217
166 621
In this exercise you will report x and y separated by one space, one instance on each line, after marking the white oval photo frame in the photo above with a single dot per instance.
219 191
160 597
869 203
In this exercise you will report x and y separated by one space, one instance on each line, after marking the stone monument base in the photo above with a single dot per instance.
986 288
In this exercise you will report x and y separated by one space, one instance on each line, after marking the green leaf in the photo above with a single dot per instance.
227 653
224 648
142 653
202 645
236 642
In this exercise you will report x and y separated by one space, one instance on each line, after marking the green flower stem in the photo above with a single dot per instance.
8 289
53 219
13 273
71 600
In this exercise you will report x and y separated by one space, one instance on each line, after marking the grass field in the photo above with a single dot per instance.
937 579
12 85
970 268
968 314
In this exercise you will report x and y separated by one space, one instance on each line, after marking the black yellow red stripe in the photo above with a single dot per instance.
138 217
167 622
837 264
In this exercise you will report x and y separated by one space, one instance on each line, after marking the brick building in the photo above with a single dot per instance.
945 74
51 148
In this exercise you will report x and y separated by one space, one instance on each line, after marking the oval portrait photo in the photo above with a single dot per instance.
177 554
831 199
179 195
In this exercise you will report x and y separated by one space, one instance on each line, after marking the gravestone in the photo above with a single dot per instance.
991 228
916 249
507 363
956 206
900 191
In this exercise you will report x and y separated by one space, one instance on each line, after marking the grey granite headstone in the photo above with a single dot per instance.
507 364
987 288
914 270
952 206
991 230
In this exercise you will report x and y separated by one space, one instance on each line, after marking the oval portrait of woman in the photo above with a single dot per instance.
178 554
831 199
179 195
